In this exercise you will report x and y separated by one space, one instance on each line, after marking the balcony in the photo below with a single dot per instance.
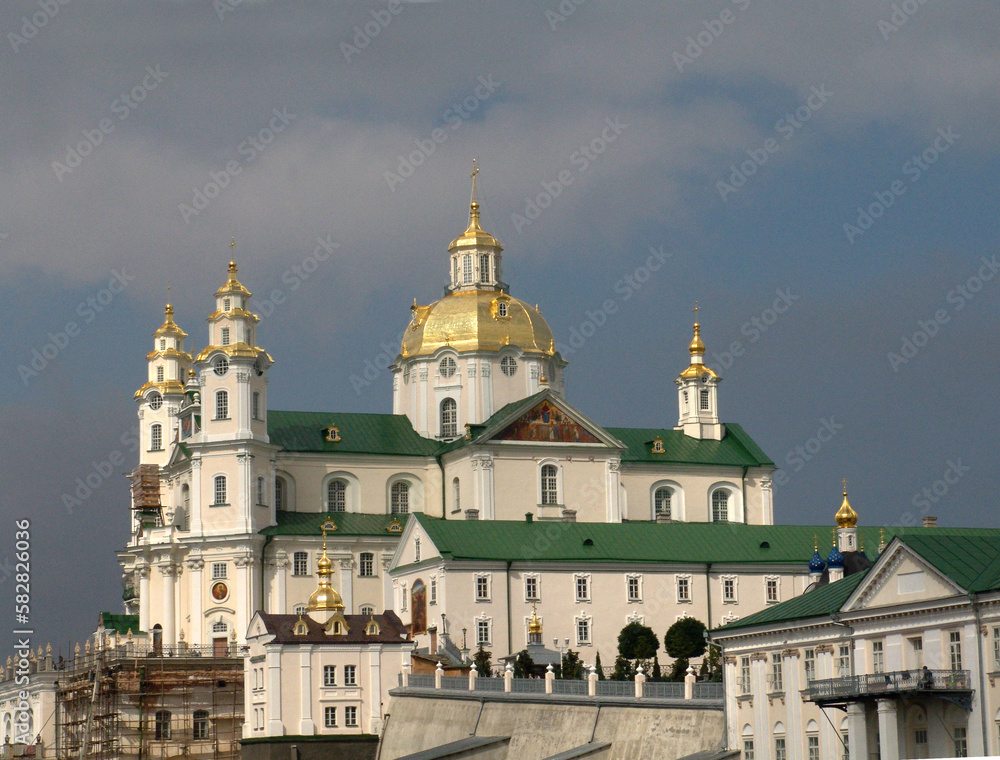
952 685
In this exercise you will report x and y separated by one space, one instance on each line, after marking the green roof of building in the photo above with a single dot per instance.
824 600
722 543
122 624
736 448
348 524
971 561
387 434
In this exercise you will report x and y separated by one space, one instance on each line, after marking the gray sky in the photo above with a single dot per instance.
837 160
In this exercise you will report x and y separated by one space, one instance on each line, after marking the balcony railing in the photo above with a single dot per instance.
898 682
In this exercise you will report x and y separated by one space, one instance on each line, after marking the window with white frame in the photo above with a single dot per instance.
156 437
581 583
366 564
720 505
449 418
748 749
662 498
280 493
809 662
633 585
467 269
775 681
221 405
300 563
336 495
772 589
330 717
484 267
159 374
227 304
955 649
219 490
260 491
220 366
550 484
350 675
780 753
844 660
155 400
917 652
583 629
220 571
447 367
878 657
399 497
329 675
531 588
482 581
432 595
683 588
367 609
744 675
225 336
351 716
163 344
704 400
255 405
484 632
299 609
961 736
812 747
729 589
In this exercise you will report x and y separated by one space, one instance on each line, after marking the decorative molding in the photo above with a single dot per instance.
825 649
758 657
730 659
765 483
194 564
242 377
614 465
791 652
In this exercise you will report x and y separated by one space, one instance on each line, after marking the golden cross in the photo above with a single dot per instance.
232 243
695 309
844 481
475 169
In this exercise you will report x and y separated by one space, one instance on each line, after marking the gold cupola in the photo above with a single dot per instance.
534 627
475 235
325 598
696 348
846 517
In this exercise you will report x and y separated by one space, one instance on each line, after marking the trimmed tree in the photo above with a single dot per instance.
600 669
572 666
523 664
623 669
637 642
484 665
683 640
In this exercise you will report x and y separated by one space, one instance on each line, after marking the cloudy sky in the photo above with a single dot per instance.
821 178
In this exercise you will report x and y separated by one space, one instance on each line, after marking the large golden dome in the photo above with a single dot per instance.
476 320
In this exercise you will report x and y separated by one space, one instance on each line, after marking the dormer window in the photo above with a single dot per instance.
658 445
332 434
502 309
372 628
300 629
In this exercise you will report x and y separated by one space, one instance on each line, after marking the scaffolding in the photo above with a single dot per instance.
128 704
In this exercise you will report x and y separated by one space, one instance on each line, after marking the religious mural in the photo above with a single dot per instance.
418 607
546 422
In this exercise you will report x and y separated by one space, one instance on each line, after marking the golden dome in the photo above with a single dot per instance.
232 286
534 625
325 597
696 347
474 235
846 517
470 321
169 327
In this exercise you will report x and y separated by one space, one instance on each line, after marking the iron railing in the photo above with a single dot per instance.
895 682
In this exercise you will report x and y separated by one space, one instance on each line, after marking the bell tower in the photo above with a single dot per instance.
697 394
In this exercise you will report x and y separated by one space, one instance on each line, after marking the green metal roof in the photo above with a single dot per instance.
736 448
120 623
824 600
348 524
388 434
973 562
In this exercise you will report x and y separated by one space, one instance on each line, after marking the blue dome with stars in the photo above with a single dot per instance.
834 558
816 564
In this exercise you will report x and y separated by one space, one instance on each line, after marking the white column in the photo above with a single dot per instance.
829 735
169 573
482 487
766 501
486 381
244 604
194 567
730 668
857 730
888 728
422 421
374 691
978 743
614 510
195 515
790 679
471 404
761 721
279 583
347 584
275 726
306 725
143 572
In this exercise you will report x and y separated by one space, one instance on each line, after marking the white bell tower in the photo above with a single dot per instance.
697 394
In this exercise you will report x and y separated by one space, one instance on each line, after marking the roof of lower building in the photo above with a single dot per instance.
120 623
386 434
736 448
348 524
391 629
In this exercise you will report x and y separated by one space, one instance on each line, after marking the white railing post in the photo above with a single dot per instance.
508 677
689 680
640 679
406 674
550 677
438 673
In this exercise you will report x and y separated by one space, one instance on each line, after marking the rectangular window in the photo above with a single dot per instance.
776 681
955 649
351 716
583 631
810 665
878 657
350 675
845 746
729 589
221 405
163 344
482 588
255 405
748 749
920 737
219 571
844 660
329 675
779 749
812 747
220 489
531 588
433 591
582 588
916 653
330 717
484 267
744 675
156 438
466 269
260 491
634 588
704 399
683 588
483 632
996 648
367 564
300 563
961 741
771 586
225 336
159 374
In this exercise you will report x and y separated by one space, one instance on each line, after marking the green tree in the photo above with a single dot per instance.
600 669
572 665
683 640
623 669
711 666
657 673
523 665
637 642
484 665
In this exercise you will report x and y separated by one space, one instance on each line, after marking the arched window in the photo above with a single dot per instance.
704 399
221 405
255 405
400 497
366 609
280 493
662 501
162 725
336 495
456 488
200 724
220 490
156 437
449 418
720 505
550 484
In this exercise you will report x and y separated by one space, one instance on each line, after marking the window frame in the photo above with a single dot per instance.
303 557
482 586
220 571
682 586
350 675
199 725
549 484
156 436
220 491
330 716
221 404
582 588
720 506
337 494
633 595
329 675
399 497
448 417
366 561
730 595
350 716
532 579
162 725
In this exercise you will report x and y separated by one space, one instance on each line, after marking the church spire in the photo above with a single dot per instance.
698 392
475 254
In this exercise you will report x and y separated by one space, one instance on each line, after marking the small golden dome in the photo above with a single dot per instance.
534 625
697 346
169 327
232 285
325 597
474 235
846 517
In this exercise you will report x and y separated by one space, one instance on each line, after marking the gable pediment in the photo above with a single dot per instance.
548 422
901 576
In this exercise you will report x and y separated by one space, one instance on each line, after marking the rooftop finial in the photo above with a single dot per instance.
474 203
232 260
696 346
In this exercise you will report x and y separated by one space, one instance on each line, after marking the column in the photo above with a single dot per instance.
169 573
614 510
347 584
829 735
275 726
195 516
279 583
388 598
766 501
482 487
374 691
194 566
244 604
306 725
487 386
857 730
888 728
730 666
790 674
143 572
761 719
